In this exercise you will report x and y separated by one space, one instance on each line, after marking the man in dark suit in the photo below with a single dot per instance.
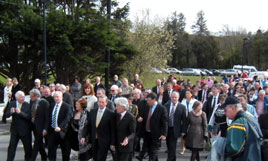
156 88
167 93
98 84
47 96
203 94
136 96
212 101
110 104
67 97
100 129
114 93
39 123
20 126
176 124
59 117
154 123
125 130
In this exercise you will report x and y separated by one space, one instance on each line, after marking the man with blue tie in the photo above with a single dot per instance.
59 117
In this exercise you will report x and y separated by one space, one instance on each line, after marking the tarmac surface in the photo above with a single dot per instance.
4 141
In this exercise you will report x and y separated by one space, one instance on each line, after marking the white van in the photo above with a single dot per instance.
247 68
261 75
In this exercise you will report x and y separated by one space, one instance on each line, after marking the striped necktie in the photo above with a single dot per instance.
98 118
54 117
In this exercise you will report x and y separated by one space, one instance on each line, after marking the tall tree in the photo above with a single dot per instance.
200 27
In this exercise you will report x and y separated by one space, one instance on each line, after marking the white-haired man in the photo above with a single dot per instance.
125 130
59 117
114 93
20 127
67 97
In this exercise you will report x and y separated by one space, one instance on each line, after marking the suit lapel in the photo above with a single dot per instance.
168 108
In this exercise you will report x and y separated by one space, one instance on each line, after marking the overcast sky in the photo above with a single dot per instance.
249 14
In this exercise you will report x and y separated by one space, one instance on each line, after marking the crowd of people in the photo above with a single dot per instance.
88 121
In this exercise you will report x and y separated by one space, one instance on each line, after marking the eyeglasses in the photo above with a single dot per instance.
112 90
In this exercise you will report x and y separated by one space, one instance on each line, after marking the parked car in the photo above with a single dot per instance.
230 72
174 70
215 72
202 73
207 72
156 70
190 71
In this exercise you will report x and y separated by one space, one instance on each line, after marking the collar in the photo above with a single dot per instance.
58 104
123 114
239 114
102 109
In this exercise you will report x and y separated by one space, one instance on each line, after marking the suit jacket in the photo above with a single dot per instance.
110 105
154 89
41 116
208 109
166 97
179 121
158 121
125 127
105 130
68 98
98 86
110 97
200 94
21 123
63 117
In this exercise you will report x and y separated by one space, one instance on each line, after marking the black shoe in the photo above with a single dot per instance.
139 158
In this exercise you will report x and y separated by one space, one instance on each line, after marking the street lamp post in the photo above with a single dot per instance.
108 54
244 52
45 40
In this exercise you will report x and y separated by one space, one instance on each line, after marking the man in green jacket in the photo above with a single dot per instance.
243 135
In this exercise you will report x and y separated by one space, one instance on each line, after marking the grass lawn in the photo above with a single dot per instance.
149 79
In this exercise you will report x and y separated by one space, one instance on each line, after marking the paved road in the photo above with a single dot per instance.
4 139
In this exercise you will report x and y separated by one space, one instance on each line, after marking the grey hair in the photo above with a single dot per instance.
63 87
175 93
239 106
114 86
35 92
58 92
102 90
122 101
19 93
262 92
137 90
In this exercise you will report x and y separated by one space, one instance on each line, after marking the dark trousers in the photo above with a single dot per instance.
13 143
100 151
143 151
123 156
152 145
171 144
54 140
38 146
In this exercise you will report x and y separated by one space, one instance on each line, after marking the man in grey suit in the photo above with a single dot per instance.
176 124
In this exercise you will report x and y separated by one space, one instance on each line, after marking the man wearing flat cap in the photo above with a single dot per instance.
243 141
